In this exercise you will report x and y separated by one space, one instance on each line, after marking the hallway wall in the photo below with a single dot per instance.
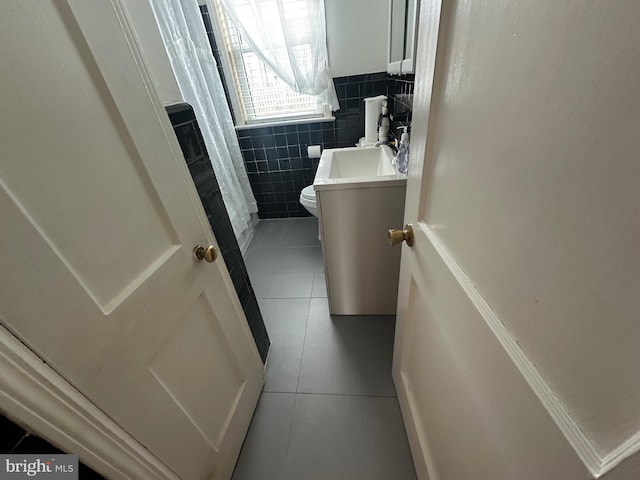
156 59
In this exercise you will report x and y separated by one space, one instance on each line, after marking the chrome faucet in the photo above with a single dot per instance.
393 148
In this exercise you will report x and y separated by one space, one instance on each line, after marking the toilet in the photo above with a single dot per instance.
373 106
308 201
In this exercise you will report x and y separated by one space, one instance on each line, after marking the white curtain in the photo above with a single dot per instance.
290 37
185 39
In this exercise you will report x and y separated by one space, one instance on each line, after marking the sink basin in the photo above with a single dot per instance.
355 165
360 162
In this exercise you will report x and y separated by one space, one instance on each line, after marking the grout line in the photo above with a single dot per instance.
293 414
304 340
295 395
333 394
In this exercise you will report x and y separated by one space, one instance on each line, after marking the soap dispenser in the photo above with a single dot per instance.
402 158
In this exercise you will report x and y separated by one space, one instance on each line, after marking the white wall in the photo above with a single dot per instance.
357 32
146 29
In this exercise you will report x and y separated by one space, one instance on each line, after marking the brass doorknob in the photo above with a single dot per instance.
208 254
396 237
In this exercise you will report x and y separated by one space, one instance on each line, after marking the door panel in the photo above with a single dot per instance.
198 340
108 268
516 336
472 413
439 393
99 218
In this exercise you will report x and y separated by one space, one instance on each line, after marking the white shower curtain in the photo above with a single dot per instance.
290 37
185 39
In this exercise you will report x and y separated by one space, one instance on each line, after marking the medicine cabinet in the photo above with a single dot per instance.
402 36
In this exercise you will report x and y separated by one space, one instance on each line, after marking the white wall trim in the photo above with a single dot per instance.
596 463
626 449
34 395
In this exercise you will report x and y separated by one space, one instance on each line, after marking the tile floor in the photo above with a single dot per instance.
329 409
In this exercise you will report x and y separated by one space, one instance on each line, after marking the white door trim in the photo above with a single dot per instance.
33 394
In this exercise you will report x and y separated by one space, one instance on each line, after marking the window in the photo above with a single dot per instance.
261 96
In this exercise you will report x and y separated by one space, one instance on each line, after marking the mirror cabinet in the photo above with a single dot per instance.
402 36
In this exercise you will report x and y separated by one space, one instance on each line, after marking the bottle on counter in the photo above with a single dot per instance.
402 158
384 124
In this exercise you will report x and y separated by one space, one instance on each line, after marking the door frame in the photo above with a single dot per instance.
31 392
431 29
34 395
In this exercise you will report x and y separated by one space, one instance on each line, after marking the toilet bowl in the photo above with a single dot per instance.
308 200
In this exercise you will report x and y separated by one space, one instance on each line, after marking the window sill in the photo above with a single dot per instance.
278 123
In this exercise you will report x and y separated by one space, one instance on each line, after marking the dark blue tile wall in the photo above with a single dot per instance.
276 157
15 439
352 90
279 167
191 142
400 93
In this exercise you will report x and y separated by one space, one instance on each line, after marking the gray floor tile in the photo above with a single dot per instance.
286 322
319 286
344 421
271 233
259 226
326 439
262 261
346 354
388 452
262 284
264 451
292 285
302 232
336 437
301 260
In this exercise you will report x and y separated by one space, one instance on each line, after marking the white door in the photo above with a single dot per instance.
516 350
99 218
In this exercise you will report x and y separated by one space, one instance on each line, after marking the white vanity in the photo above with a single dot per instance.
360 196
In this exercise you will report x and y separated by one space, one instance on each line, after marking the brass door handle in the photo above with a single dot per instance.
396 237
209 254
